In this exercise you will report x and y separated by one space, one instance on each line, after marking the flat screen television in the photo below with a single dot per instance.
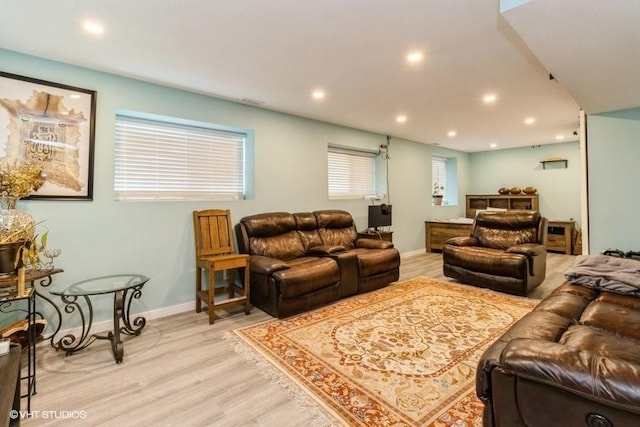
379 216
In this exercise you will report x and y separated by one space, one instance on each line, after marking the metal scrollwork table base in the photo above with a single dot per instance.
125 288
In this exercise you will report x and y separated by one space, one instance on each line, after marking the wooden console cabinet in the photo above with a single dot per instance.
438 232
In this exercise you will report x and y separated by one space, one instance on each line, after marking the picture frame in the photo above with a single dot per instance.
52 124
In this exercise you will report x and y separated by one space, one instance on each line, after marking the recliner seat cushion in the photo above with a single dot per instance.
307 274
495 262
376 261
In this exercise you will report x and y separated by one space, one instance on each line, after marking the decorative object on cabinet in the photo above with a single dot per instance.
53 124
529 190
437 194
515 190
485 201
503 190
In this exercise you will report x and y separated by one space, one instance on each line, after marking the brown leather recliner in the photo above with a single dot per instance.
505 252
573 361
305 260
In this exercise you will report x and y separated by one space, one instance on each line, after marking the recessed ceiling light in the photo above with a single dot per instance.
401 118
529 120
319 94
493 145
414 57
452 133
559 137
489 99
93 27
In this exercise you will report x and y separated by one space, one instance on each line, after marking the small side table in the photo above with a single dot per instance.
125 288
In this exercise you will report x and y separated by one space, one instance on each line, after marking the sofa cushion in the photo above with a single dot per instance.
336 228
306 275
497 231
308 229
273 235
495 262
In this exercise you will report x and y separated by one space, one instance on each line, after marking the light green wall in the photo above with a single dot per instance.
558 187
613 141
103 236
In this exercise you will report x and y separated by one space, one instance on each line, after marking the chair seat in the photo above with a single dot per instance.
224 262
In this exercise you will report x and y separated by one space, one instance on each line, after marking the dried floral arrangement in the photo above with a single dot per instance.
17 226
20 181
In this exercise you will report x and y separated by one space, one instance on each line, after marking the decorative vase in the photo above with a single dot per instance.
8 255
437 200
16 227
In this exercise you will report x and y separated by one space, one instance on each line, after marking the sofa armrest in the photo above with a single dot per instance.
463 241
607 380
528 249
373 244
265 265
325 250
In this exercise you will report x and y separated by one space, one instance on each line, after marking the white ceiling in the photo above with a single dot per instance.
278 51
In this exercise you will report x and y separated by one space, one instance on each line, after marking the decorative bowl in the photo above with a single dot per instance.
503 190
529 190
515 190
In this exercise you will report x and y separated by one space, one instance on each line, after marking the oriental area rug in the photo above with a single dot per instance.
404 355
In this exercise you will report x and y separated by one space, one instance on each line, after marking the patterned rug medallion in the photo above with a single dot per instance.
404 355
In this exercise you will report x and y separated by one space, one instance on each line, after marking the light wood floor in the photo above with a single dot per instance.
182 371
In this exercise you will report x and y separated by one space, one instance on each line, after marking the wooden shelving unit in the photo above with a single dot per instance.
501 201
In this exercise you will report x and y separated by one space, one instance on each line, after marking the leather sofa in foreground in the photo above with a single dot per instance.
301 261
573 361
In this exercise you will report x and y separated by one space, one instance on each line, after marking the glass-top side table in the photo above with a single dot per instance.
125 288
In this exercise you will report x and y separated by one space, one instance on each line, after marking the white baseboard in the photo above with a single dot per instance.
107 325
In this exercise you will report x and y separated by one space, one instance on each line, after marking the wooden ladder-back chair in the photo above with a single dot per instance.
214 252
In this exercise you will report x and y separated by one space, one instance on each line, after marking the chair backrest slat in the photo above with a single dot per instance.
212 228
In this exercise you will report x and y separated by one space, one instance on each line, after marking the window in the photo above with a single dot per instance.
351 173
157 159
439 176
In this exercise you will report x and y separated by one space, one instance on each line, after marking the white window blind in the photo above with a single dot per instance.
351 173
439 175
158 160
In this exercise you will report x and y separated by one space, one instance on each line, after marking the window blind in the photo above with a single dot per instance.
157 160
351 173
439 174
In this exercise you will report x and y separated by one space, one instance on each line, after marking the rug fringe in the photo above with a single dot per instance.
317 416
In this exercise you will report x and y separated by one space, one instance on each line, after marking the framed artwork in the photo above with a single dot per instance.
52 124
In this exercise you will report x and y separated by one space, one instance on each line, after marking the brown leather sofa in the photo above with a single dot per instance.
505 252
573 361
305 260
